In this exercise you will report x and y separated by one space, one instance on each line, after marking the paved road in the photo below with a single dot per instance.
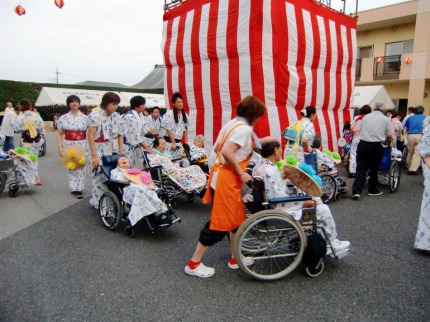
59 264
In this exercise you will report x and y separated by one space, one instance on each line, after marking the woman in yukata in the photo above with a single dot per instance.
175 125
31 126
72 128
309 114
103 126
422 238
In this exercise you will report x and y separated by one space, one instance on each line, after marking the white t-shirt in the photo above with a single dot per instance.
241 135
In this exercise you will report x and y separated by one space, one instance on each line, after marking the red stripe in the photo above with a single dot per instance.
327 86
214 69
339 85
300 62
197 72
182 88
167 62
233 56
280 60
314 68
262 127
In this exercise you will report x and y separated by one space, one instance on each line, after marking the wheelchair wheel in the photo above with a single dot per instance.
110 210
328 187
13 190
317 270
2 181
271 243
42 150
394 176
405 157
129 231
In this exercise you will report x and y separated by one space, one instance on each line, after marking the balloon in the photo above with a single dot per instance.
19 10
59 3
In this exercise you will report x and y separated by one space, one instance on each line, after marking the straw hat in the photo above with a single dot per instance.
73 157
23 156
142 179
302 180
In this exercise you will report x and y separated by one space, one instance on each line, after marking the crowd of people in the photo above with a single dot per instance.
141 130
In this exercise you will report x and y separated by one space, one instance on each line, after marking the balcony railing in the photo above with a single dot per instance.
387 67
358 69
169 4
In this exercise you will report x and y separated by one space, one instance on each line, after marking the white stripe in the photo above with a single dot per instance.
243 48
163 44
189 80
268 74
321 83
205 63
293 86
309 56
332 131
221 46
344 83
172 55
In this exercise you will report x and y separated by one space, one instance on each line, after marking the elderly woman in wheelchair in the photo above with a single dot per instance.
132 196
276 238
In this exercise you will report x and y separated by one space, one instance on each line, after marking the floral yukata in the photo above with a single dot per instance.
308 133
422 238
132 128
276 187
143 201
177 129
75 128
197 153
28 171
107 129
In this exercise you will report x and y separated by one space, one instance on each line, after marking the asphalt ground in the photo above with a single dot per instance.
62 265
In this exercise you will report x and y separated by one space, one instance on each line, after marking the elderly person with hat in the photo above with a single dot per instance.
414 128
375 128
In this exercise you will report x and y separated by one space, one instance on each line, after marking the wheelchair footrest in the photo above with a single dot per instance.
341 254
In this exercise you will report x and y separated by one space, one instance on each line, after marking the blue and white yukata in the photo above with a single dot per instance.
308 133
28 171
276 187
108 127
151 124
143 201
68 122
422 238
132 128
177 129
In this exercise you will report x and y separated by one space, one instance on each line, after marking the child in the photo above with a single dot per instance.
140 194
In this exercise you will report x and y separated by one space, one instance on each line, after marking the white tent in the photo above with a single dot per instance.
371 94
57 96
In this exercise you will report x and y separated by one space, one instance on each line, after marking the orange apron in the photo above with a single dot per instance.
228 211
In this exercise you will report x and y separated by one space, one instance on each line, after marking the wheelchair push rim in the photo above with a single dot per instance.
272 241
329 187
110 210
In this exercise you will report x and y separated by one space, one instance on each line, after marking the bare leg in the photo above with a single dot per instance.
200 251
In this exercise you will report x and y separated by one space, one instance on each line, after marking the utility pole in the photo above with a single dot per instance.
57 72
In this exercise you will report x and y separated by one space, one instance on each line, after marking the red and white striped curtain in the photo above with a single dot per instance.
288 53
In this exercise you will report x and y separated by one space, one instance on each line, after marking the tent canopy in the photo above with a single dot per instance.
370 94
57 96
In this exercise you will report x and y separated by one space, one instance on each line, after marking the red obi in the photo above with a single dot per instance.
71 135
101 139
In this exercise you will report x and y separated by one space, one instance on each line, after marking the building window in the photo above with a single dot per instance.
399 48
365 52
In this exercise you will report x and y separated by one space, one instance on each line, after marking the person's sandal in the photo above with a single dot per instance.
201 271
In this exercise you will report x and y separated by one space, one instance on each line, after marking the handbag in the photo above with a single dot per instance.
293 135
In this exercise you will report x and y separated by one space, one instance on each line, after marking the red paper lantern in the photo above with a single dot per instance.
59 3
19 10
379 60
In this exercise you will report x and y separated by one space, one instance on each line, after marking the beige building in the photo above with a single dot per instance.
394 51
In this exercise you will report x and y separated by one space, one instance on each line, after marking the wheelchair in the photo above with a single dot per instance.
113 210
173 188
390 169
276 242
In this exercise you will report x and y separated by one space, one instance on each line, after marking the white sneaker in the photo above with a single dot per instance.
338 246
201 271
246 260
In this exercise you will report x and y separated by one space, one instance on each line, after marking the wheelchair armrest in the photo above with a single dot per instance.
289 199
120 183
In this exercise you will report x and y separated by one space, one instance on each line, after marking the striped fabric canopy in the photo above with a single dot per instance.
288 53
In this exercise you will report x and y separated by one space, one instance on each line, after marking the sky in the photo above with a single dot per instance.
114 41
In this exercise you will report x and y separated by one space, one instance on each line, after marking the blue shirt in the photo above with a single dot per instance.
415 124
